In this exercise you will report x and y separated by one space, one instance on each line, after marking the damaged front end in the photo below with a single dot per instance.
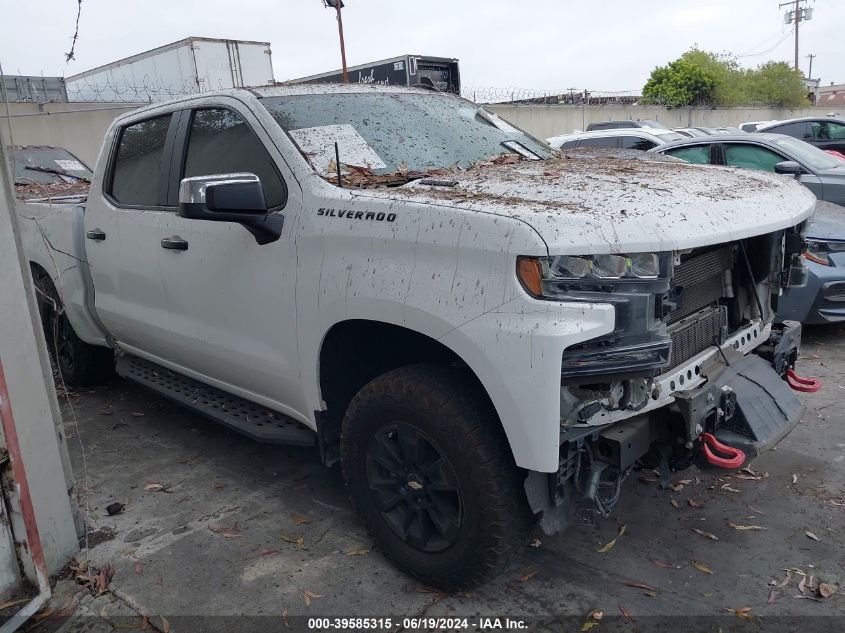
694 372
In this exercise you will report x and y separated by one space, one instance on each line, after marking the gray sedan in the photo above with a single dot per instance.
822 173
822 300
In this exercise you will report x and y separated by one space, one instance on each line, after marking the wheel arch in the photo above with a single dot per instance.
348 360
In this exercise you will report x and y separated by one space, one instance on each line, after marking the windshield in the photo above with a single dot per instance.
47 165
403 133
811 156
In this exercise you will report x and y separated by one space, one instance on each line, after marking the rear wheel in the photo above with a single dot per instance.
431 474
81 364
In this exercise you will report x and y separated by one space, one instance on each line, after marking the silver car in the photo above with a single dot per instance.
822 300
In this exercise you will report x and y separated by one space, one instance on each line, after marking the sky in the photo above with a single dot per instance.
502 45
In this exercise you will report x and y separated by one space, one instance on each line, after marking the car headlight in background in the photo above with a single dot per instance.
818 251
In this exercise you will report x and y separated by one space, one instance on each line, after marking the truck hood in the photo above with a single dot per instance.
604 203
828 222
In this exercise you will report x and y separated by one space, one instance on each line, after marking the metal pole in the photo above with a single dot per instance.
810 76
342 46
797 22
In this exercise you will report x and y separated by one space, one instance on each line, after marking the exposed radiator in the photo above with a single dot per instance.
695 334
700 281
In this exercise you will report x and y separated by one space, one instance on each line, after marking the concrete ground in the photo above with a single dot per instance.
217 525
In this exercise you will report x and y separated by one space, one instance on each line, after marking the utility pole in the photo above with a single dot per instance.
338 5
810 75
796 15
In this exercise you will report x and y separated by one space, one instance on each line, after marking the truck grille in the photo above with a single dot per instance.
695 334
699 281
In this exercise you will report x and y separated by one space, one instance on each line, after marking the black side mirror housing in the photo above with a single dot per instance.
230 198
789 167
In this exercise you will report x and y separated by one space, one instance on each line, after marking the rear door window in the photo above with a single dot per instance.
751 157
698 155
221 142
635 142
607 141
138 162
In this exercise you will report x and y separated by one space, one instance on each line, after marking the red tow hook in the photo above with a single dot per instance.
798 383
733 457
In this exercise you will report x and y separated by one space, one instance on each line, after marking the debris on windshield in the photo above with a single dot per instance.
32 191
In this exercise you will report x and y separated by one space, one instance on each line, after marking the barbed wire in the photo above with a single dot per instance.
568 96
149 90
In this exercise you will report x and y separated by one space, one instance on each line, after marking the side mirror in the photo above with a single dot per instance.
789 167
222 198
230 198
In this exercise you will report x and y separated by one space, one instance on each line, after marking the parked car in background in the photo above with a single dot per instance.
632 138
822 173
43 171
822 300
617 125
751 126
823 132
690 132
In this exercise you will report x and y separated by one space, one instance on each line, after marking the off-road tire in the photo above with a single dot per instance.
447 406
80 364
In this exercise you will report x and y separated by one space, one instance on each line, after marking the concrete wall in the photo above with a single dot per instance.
78 127
544 121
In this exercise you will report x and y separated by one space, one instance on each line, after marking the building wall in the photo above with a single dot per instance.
78 127
544 121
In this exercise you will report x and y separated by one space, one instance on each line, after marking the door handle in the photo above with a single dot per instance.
96 234
174 243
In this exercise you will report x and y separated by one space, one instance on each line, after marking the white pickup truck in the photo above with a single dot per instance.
484 332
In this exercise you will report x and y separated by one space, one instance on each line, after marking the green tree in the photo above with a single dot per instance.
776 84
703 78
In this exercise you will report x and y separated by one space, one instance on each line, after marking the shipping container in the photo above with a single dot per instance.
189 66
405 70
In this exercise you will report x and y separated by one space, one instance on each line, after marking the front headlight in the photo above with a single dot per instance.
634 284
545 277
819 251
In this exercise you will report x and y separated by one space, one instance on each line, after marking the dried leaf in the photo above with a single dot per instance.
685 482
729 488
296 540
154 487
794 478
625 613
535 543
674 504
694 504
652 594
647 480
640 585
827 589
588 625
772 595
676 487
310 595
811 535
748 471
753 509
226 532
833 502
610 545
745 527
104 579
709 535
701 567
802 586
139 568
285 618
664 565
528 575
360 551
12 603
596 615
165 625
301 519
741 613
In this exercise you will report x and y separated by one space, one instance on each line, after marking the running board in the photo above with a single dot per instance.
253 420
